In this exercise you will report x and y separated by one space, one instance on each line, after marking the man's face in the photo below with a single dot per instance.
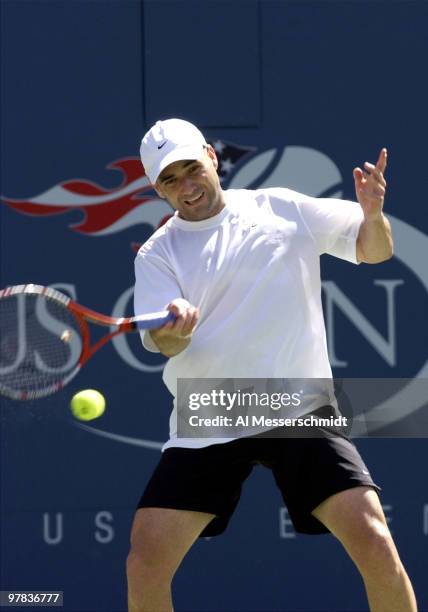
192 187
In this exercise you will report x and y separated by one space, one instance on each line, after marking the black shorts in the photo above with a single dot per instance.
307 471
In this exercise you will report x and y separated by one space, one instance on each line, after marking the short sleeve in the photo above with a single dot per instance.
155 287
333 223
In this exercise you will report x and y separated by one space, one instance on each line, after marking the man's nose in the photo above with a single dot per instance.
188 186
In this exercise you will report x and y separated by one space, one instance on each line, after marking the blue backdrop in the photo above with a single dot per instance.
290 93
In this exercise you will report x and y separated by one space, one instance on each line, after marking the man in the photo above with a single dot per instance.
240 271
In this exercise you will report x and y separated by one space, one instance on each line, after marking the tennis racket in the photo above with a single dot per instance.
45 338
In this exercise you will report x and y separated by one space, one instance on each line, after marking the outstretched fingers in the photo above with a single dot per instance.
371 180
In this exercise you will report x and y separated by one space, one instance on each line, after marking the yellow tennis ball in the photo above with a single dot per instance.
87 405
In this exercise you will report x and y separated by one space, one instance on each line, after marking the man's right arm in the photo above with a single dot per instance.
173 337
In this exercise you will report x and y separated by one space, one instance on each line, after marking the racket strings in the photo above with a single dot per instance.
40 344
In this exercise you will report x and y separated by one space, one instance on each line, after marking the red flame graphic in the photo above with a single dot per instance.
102 208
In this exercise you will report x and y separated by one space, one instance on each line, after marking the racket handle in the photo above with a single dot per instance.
154 320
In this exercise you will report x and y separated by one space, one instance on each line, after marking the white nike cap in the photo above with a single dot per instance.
167 142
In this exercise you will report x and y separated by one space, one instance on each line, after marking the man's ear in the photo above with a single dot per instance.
159 191
212 155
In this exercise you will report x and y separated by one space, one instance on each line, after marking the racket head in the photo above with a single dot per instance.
41 341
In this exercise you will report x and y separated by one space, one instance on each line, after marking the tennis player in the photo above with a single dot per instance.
240 271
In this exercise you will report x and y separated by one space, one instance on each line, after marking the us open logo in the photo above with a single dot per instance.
133 202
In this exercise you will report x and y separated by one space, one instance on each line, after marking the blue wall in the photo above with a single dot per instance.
300 92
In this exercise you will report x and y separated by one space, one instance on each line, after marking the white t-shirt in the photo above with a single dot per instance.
254 272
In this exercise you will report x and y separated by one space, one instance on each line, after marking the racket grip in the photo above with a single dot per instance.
155 320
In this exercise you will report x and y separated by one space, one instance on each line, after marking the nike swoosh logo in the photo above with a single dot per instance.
162 145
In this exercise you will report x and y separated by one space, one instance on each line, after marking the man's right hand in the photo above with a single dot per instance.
175 336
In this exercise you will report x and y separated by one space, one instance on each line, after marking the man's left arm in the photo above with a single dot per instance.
374 242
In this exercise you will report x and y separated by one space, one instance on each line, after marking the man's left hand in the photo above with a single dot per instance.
370 186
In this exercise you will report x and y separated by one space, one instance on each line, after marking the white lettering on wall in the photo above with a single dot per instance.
105 532
286 529
53 534
386 347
